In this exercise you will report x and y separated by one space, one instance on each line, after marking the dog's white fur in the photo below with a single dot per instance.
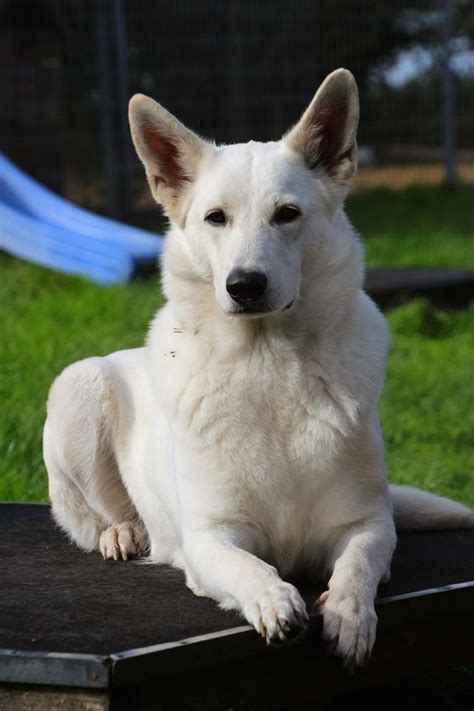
246 448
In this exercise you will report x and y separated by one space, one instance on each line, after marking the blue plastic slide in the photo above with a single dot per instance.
37 225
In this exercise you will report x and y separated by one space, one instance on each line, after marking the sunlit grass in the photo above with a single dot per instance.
420 226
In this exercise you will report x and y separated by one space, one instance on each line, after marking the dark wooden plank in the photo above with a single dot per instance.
306 678
389 286
419 609
55 597
84 670
137 622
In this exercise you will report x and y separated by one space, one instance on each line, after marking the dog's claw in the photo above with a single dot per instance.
123 551
319 602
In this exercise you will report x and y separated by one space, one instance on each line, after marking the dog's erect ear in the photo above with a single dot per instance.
326 133
169 151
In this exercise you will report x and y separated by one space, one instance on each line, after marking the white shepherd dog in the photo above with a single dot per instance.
242 443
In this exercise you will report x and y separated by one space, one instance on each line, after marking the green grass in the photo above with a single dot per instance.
420 226
426 407
49 320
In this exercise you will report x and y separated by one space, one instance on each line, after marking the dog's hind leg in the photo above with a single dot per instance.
88 497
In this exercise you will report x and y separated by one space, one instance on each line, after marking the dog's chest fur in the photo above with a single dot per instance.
256 392
267 418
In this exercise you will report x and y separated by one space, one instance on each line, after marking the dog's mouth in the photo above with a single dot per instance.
257 310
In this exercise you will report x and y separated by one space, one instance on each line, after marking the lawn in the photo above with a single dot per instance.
49 320
431 226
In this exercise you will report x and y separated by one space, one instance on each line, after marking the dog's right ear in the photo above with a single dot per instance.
170 152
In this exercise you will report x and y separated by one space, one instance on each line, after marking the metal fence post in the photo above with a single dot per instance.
106 110
122 83
449 128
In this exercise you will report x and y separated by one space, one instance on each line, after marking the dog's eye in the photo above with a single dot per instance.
216 217
286 213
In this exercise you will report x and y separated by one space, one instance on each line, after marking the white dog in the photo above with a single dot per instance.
242 443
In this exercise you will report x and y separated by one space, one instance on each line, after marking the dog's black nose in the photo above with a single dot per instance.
245 287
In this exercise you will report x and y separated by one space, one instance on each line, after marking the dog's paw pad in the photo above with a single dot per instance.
121 541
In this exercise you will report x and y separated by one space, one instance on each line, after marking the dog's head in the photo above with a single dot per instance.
248 213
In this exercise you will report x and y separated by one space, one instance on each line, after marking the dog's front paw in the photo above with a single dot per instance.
278 613
122 540
349 625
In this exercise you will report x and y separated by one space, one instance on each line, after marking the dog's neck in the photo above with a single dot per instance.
332 274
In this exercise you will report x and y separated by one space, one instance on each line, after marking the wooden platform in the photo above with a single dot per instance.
130 636
390 286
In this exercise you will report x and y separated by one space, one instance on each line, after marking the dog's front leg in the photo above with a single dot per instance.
358 562
238 579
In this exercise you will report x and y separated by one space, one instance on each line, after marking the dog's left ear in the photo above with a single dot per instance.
326 133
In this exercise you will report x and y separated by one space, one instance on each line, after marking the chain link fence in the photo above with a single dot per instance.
232 71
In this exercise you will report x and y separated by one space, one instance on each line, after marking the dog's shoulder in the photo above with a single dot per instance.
352 357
